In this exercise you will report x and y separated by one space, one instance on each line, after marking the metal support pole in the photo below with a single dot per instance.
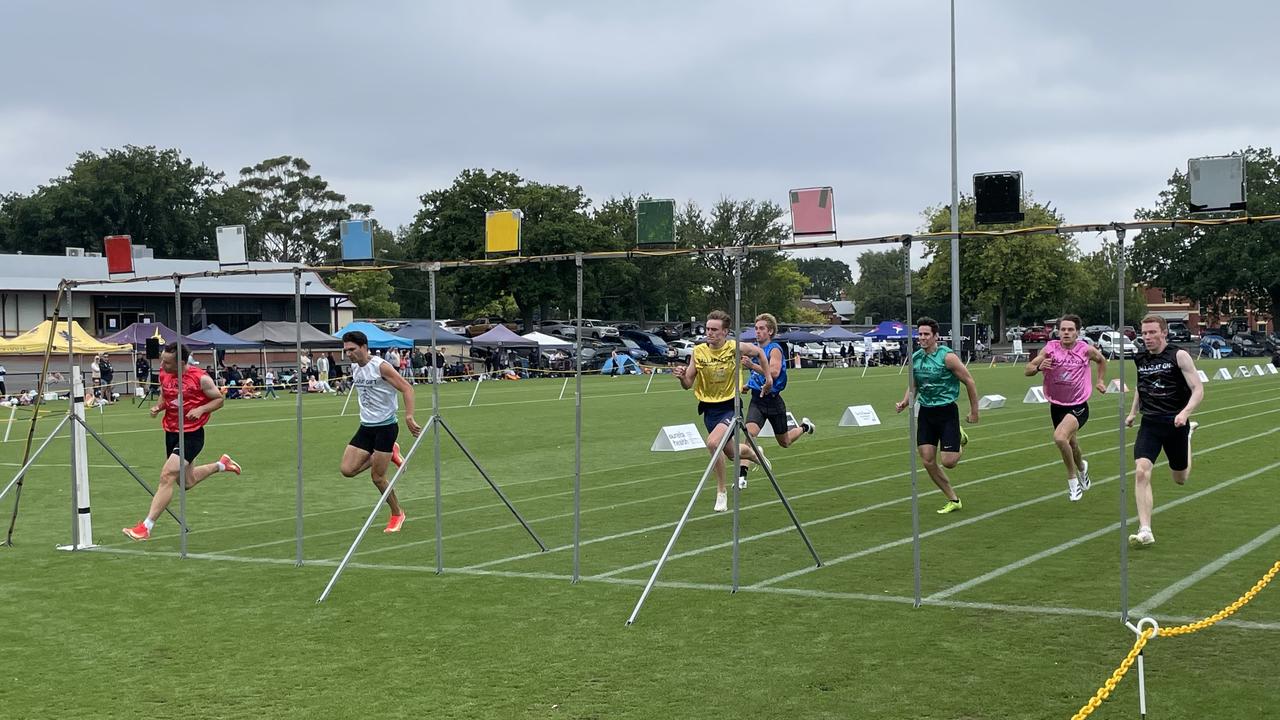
71 410
391 485
577 428
911 427
773 480
956 327
675 535
1124 461
435 430
297 326
34 456
737 408
492 484
182 417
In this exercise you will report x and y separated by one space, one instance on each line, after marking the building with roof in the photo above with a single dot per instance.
29 289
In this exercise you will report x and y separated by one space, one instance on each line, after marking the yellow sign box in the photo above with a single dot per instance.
502 231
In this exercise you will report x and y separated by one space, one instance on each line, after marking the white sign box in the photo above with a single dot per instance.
674 438
1271 369
1222 374
1257 370
859 416
989 402
1114 387
767 430
1203 378
1242 372
1035 395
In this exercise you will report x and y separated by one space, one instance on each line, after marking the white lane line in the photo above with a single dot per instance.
1001 511
838 488
1100 532
1167 594
711 587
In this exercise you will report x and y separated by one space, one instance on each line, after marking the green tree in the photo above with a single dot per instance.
1209 264
770 281
827 277
450 226
295 214
1093 296
1001 278
370 291
162 199
878 293
645 286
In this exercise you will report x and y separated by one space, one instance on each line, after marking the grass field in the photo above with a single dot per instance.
1022 589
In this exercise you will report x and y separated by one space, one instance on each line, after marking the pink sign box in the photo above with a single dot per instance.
813 212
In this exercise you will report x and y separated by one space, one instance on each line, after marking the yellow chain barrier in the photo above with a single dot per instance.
1110 685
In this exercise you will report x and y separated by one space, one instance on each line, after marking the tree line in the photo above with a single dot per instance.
172 204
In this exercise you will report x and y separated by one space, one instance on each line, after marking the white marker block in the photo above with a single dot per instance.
674 438
1222 374
859 416
767 430
1258 371
1035 395
990 402
1242 372
1203 378
1114 387
1271 370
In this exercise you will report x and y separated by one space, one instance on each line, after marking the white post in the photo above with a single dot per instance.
84 520
652 374
563 387
13 409
476 391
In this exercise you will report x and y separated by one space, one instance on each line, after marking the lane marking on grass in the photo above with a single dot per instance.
1100 532
799 496
646 479
705 587
1168 593
978 518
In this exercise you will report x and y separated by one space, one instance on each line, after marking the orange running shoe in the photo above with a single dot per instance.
396 457
229 464
137 532
395 523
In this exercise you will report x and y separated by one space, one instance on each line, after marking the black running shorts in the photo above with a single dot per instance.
192 444
1058 413
376 438
1155 435
939 425
769 407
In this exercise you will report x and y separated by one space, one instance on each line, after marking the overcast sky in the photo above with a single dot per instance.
1096 102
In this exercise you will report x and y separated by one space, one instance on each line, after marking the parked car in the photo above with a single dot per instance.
1208 341
597 329
1112 343
666 331
482 325
1035 335
649 342
1014 333
556 327
1129 332
680 350
1093 332
1247 346
1179 332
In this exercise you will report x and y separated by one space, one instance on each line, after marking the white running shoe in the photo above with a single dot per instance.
722 502
1083 475
1074 491
808 426
742 482
764 461
1143 538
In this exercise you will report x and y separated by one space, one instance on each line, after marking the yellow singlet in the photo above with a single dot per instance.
714 381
